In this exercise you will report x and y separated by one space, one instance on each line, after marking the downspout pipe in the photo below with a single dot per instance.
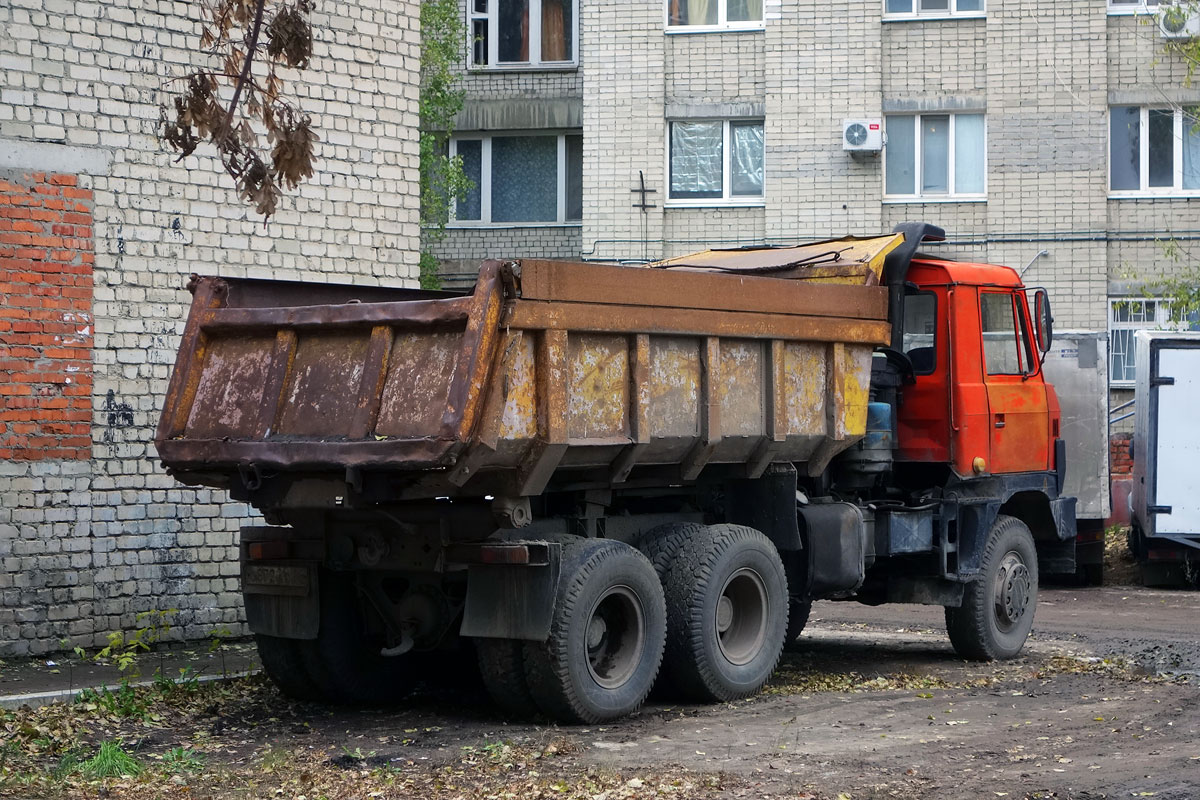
895 270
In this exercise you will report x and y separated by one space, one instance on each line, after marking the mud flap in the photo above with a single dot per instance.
511 601
282 599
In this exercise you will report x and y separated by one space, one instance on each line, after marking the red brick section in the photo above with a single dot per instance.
46 325
1119 462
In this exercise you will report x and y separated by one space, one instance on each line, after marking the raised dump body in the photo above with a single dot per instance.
546 366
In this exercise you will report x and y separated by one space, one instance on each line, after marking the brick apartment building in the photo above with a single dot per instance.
99 230
1018 126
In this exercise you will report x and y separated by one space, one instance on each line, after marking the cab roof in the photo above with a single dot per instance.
966 272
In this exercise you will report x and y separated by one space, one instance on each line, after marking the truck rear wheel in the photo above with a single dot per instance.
282 662
727 612
662 544
997 610
502 667
344 661
606 635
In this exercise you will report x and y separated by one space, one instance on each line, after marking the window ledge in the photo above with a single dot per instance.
480 70
1132 12
716 202
493 226
923 200
686 30
1181 195
933 17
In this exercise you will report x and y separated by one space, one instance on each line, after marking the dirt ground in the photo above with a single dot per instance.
1104 703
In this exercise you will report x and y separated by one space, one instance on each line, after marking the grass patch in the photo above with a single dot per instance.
110 762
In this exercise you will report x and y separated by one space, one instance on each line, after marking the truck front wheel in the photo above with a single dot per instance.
997 610
606 635
727 614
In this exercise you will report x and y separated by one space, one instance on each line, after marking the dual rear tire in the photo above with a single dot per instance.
707 603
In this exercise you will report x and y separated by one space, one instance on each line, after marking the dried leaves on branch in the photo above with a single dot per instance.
238 101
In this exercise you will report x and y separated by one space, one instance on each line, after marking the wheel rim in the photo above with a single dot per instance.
742 616
616 637
1013 590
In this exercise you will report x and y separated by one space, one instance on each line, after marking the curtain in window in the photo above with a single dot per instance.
899 6
694 12
901 155
1191 148
935 154
744 10
696 159
746 159
968 154
556 24
524 179
1162 147
513 24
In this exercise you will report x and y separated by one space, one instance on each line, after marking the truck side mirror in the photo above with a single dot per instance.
1043 323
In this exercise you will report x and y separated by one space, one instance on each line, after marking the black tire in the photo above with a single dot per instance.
798 611
727 612
997 610
282 662
502 667
344 661
608 592
663 544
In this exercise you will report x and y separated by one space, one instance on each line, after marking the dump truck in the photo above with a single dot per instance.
1165 501
598 477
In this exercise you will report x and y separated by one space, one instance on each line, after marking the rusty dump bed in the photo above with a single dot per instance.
729 357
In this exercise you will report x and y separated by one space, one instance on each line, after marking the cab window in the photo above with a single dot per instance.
1006 348
920 331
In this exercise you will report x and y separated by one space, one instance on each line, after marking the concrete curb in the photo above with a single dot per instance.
39 699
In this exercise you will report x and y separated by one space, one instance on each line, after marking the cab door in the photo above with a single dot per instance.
1018 412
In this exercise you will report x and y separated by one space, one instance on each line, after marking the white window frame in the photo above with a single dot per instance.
492 18
723 23
1137 7
950 196
727 198
1161 322
485 181
919 13
1146 190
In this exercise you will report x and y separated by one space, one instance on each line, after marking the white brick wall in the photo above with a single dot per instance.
86 545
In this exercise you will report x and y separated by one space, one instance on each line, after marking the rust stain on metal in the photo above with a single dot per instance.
597 318
421 370
229 394
674 387
320 395
598 393
478 350
520 409
741 387
207 293
564 282
804 382
277 374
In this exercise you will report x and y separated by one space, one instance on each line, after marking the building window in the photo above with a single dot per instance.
1132 6
692 15
935 156
716 161
1154 151
932 8
1126 315
521 179
523 33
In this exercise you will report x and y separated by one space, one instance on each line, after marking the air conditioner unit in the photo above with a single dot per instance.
1179 21
862 135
